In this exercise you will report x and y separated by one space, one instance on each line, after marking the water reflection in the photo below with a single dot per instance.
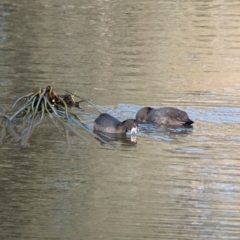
125 139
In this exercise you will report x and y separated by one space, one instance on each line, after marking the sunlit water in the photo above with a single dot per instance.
172 183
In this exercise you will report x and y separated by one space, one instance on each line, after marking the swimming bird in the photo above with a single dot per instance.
109 124
164 116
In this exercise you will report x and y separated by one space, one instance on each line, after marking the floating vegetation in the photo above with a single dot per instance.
45 103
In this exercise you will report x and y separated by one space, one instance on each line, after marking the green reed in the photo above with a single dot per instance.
45 103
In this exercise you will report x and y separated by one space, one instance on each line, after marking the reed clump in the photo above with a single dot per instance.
33 109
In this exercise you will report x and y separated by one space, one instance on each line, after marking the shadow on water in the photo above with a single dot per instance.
164 133
124 139
154 128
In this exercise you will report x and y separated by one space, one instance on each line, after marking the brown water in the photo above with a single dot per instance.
171 184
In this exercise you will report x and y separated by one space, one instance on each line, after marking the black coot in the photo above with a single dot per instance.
164 116
109 124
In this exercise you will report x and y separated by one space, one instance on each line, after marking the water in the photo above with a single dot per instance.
172 183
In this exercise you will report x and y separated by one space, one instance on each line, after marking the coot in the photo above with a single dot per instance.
164 116
109 124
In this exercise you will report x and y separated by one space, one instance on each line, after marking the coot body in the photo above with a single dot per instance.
109 124
164 116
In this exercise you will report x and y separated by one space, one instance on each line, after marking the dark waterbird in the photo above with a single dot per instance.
108 124
164 116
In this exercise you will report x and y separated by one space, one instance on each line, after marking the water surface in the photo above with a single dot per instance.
171 184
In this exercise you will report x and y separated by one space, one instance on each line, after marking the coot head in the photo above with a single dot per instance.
130 125
142 114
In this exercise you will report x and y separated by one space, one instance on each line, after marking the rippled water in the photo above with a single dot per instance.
173 183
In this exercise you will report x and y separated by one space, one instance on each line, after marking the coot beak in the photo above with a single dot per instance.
134 130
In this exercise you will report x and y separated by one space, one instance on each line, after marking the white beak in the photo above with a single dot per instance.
134 130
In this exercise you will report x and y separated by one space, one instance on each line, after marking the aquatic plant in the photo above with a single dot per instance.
45 103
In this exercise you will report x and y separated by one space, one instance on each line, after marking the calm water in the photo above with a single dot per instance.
172 183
